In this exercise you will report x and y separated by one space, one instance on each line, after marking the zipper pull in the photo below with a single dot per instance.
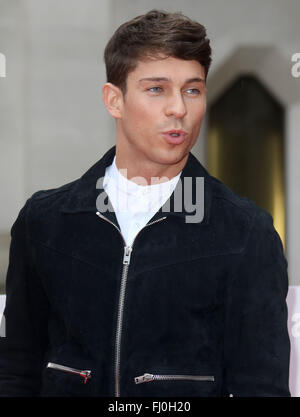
144 378
86 375
127 254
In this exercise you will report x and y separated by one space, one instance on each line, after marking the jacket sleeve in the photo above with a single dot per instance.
256 340
26 309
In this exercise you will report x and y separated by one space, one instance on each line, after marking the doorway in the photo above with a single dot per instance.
245 145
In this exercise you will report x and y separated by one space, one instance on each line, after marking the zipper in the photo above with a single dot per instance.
126 262
85 374
150 377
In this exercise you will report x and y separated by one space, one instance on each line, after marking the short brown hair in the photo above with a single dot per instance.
154 33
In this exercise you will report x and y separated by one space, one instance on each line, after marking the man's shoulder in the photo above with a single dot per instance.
80 190
237 210
53 192
47 203
42 204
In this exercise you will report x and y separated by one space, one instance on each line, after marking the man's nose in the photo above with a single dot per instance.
176 106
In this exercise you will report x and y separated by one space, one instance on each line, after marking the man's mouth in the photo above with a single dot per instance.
174 136
176 132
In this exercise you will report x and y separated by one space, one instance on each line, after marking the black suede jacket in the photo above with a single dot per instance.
200 307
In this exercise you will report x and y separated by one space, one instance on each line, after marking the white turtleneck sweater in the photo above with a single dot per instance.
134 204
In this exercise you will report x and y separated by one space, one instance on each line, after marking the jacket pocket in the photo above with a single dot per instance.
154 377
85 374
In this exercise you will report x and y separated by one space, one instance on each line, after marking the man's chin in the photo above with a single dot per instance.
170 156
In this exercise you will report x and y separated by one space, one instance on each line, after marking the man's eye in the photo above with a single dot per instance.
155 89
194 91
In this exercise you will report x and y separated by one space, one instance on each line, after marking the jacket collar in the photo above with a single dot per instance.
83 195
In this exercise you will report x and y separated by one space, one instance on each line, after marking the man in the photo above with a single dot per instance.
147 276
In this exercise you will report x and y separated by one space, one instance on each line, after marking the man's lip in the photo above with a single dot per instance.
179 132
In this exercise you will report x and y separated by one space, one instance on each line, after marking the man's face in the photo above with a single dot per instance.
162 95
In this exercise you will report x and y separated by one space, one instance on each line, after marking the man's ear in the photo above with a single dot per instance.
113 99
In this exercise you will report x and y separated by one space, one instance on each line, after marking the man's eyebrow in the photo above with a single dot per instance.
154 79
158 79
195 80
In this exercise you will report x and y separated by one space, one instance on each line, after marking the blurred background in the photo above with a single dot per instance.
54 126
